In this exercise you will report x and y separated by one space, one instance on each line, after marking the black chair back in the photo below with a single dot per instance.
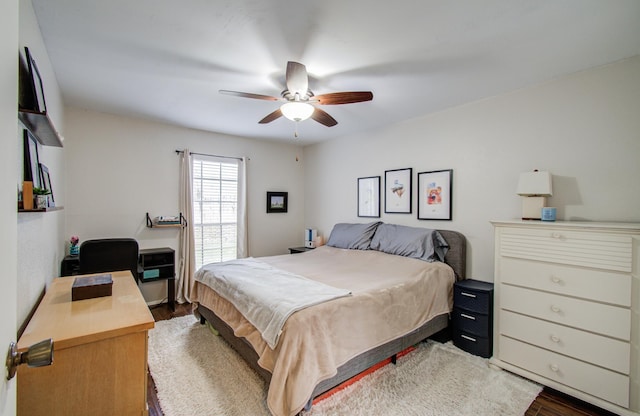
109 255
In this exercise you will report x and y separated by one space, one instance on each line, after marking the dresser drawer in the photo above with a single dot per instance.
481 346
588 249
473 300
590 316
600 285
597 349
599 382
471 322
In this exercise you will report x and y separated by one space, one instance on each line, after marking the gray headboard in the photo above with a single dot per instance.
457 255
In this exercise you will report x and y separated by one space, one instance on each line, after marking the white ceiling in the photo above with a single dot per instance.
167 59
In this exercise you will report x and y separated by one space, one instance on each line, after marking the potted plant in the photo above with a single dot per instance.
40 195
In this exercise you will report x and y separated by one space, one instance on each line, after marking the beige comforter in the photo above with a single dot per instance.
392 296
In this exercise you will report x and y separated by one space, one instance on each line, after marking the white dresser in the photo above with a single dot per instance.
567 308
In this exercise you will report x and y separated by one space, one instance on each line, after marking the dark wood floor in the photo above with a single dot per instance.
548 403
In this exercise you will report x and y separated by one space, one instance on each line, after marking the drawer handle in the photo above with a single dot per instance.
470 295
555 338
554 368
555 309
468 338
556 235
556 279
464 315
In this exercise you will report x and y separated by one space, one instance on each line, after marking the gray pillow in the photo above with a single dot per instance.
418 243
352 236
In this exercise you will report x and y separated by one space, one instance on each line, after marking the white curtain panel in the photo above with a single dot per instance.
243 248
187 262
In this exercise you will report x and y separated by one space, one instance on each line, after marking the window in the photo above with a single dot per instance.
215 206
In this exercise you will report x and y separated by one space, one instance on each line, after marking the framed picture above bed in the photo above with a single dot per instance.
434 195
397 191
277 201
369 197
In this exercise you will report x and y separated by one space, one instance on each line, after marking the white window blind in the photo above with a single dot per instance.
215 205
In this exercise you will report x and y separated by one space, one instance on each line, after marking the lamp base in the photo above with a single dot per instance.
532 207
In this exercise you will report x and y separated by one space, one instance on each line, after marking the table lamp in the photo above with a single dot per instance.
534 187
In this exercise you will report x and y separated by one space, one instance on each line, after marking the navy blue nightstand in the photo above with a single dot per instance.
472 317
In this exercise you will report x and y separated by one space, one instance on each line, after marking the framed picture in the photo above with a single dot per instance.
369 197
45 180
397 191
434 195
36 83
277 201
31 160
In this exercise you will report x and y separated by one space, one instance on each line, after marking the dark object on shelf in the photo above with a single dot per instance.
472 317
301 249
158 222
108 255
70 266
90 287
32 108
159 264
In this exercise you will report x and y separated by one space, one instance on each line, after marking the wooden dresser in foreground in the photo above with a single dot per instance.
567 308
100 353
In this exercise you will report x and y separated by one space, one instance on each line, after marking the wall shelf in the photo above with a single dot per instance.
40 125
153 223
41 209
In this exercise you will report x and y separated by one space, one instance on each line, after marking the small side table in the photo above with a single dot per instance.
296 250
472 317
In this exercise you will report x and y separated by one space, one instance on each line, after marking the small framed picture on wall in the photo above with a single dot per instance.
434 195
369 197
277 201
397 191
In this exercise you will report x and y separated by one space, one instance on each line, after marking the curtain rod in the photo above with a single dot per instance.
206 154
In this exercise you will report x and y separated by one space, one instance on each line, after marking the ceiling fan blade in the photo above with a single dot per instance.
297 79
323 117
271 116
344 97
249 95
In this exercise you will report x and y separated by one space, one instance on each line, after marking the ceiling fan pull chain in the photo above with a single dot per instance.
295 133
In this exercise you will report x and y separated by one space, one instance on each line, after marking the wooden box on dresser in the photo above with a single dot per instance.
567 308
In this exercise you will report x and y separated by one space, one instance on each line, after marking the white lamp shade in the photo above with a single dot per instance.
534 183
297 111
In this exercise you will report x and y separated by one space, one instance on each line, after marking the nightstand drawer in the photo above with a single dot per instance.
471 322
473 344
474 296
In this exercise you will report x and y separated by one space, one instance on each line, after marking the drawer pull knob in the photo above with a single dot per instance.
556 235
556 279
468 338
555 309
470 295
554 368
464 315
555 338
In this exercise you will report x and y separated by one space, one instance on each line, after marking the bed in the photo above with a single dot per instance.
396 298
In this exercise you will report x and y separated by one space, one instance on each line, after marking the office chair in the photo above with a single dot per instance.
109 255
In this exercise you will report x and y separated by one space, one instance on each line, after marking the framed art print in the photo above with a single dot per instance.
277 201
369 197
434 195
397 191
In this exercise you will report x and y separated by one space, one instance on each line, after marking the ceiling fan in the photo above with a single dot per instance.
299 99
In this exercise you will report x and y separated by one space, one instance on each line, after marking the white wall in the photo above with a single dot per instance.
40 240
583 128
9 161
119 168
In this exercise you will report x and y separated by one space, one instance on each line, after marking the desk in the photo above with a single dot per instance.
100 353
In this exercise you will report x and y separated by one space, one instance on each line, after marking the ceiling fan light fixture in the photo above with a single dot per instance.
297 111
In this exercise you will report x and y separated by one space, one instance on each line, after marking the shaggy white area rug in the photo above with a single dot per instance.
197 373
